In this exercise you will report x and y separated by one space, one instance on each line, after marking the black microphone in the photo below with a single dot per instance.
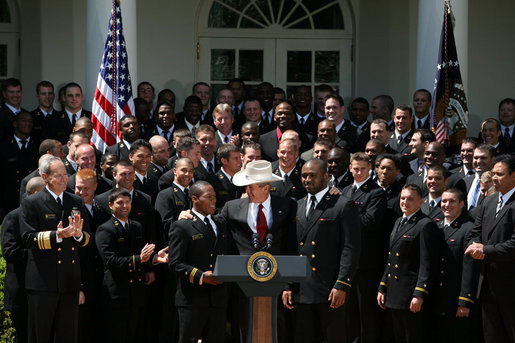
268 241
255 241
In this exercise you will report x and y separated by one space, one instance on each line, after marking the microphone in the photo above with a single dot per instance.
268 241
255 241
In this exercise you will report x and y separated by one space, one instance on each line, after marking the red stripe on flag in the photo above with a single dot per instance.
103 102
102 132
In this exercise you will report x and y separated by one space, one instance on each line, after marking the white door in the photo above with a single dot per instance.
285 63
312 62
221 59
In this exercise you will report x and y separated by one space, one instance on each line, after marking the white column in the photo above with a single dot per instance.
430 20
98 13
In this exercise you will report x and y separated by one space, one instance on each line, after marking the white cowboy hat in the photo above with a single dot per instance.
255 172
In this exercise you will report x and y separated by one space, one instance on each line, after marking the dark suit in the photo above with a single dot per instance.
224 188
42 125
16 164
363 313
310 124
155 172
155 132
6 122
24 181
457 284
497 233
141 211
330 239
348 136
403 148
363 137
436 213
70 169
124 277
283 227
120 149
170 203
15 297
149 188
292 187
103 184
92 274
270 143
62 126
418 179
411 271
193 250
52 277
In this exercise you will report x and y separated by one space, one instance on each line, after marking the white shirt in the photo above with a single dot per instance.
339 126
286 173
121 221
60 196
229 177
70 114
201 217
359 184
204 163
191 126
506 196
18 140
170 130
127 144
46 114
140 177
437 200
510 129
222 136
318 198
403 135
13 110
253 213
423 120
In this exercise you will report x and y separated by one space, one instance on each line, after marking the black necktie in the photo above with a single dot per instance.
354 188
286 178
399 140
266 115
74 119
144 180
187 192
432 205
126 227
59 202
507 137
210 169
445 228
471 172
302 121
419 124
404 220
210 227
23 143
313 199
165 134
236 111
226 139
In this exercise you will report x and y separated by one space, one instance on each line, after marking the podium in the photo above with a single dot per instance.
262 277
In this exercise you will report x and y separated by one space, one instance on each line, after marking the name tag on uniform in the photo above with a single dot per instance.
50 216
273 189
199 236
121 240
179 203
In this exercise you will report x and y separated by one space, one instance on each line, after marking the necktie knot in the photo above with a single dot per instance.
165 134
354 188
302 121
23 143
261 224
500 204
446 227
226 139
419 124
58 201
404 221
432 205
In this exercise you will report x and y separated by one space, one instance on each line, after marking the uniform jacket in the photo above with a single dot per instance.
459 273
412 264
436 214
370 200
292 187
283 225
497 233
402 148
331 241
348 136
120 249
120 149
16 256
169 204
193 250
51 266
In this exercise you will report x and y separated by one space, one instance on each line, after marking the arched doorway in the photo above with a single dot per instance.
9 40
285 42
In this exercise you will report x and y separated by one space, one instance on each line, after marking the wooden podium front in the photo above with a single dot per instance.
262 277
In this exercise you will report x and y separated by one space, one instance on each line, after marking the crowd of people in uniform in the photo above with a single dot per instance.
408 240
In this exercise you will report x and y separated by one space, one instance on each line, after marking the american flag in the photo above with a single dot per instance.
113 95
449 112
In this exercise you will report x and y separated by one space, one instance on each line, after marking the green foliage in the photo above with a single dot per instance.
6 326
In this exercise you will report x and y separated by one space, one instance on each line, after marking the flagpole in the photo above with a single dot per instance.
113 127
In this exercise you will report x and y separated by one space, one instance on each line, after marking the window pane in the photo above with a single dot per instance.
3 60
222 64
251 65
298 13
249 24
330 18
253 13
299 66
5 14
327 66
221 16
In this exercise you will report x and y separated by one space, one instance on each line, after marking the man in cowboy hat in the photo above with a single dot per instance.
258 214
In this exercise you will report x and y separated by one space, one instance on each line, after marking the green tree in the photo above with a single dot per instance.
6 326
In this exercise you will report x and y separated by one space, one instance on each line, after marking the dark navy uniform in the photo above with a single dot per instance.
457 284
52 278
330 238
193 248
124 279
15 297
403 148
225 189
434 213
292 187
411 271
120 149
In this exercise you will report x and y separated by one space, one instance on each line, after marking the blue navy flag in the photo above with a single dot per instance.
113 94
449 112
